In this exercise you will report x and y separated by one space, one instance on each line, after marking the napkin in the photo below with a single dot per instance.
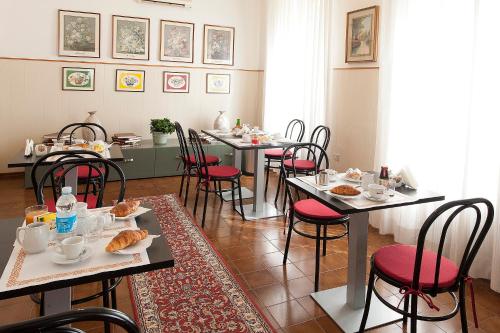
28 149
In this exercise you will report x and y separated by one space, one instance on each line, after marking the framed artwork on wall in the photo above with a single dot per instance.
130 37
78 79
176 82
79 34
361 35
130 80
177 41
218 83
218 45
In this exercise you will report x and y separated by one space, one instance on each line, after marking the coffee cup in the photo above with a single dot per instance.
35 237
376 191
71 247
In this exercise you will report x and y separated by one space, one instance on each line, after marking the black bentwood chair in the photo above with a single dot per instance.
310 211
76 126
424 273
215 174
189 161
57 323
295 132
102 167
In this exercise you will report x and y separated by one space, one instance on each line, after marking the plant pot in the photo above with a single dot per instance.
160 138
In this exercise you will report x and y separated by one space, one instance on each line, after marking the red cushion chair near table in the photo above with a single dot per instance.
91 201
310 211
423 273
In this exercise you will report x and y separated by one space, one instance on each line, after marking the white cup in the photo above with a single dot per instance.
72 247
376 191
36 237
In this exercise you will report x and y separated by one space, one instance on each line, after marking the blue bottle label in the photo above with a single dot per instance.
65 224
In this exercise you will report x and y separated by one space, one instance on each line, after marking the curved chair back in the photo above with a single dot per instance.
458 211
321 137
75 126
295 130
199 153
99 166
182 143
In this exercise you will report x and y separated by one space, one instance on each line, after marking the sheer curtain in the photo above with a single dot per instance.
296 62
439 113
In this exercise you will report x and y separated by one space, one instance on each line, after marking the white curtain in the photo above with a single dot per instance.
296 68
439 114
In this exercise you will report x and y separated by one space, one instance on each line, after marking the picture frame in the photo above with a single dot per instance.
218 83
176 82
362 35
78 79
176 41
218 45
79 34
130 37
130 80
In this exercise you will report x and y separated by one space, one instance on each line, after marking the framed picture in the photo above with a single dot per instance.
78 79
218 45
218 83
361 35
176 82
130 80
130 37
79 34
177 40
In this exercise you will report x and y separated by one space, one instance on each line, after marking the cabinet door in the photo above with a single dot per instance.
168 162
224 152
137 164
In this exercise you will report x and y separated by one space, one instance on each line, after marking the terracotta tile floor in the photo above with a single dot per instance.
254 251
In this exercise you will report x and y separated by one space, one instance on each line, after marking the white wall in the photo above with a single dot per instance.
32 102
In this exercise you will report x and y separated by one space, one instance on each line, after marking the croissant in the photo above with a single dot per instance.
125 208
125 239
345 190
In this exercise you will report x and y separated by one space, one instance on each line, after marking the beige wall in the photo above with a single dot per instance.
32 102
353 97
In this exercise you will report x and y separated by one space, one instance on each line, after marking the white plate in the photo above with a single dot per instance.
60 259
139 211
344 177
369 197
139 247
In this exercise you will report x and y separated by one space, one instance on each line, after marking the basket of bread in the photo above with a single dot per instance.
345 191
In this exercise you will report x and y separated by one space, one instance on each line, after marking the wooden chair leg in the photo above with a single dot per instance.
205 206
114 304
268 166
187 187
316 268
463 309
406 305
325 233
241 200
42 304
371 282
413 314
182 183
288 237
232 195
198 188
220 193
280 177
105 302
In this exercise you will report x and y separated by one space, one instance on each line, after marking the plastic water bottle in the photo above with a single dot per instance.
66 214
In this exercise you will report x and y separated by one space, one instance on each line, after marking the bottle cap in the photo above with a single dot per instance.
67 190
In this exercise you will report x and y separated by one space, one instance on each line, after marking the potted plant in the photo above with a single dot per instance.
161 128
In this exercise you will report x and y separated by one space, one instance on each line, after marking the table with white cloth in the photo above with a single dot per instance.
345 304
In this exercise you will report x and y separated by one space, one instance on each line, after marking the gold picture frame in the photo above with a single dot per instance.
361 40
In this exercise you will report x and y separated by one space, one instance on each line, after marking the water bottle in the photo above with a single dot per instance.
66 214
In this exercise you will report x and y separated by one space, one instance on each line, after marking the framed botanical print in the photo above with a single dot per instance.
130 80
78 79
361 35
177 40
176 82
218 45
130 37
218 83
79 34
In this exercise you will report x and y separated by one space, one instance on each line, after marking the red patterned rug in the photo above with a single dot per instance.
200 293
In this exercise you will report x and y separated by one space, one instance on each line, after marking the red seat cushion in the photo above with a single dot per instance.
91 202
276 153
300 164
221 171
397 262
315 210
83 172
211 159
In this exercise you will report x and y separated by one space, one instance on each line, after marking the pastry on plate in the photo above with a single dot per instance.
354 174
125 239
125 208
346 190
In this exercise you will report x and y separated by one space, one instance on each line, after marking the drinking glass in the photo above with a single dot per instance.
32 212
391 187
93 228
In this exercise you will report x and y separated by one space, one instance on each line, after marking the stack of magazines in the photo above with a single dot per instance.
126 139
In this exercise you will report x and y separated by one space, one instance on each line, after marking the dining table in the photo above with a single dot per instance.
345 304
259 209
24 274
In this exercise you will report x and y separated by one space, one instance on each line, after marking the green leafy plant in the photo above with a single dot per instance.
164 126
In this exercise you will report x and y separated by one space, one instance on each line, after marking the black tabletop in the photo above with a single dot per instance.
343 208
159 253
227 140
19 160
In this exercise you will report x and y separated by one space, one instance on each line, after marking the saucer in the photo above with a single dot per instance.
381 199
60 259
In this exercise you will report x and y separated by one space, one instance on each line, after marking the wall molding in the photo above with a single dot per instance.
355 68
132 64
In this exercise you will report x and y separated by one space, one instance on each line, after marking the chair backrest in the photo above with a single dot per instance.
75 126
321 137
99 166
458 213
199 153
182 143
295 130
